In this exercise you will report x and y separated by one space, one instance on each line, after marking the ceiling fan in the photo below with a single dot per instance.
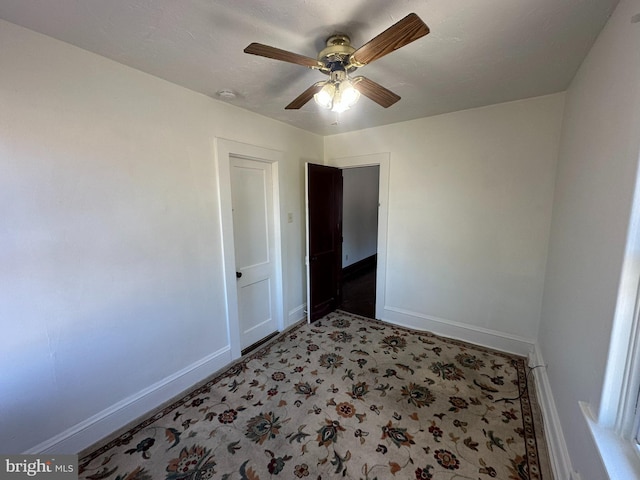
339 59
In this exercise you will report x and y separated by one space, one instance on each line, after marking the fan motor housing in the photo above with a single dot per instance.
337 52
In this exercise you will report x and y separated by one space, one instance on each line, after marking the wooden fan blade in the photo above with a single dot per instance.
375 91
407 30
277 54
304 97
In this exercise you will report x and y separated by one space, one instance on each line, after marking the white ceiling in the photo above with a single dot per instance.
479 52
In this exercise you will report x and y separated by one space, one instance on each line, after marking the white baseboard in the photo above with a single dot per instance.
558 452
113 418
297 314
480 336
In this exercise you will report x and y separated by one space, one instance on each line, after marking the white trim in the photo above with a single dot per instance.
383 160
622 378
225 149
617 423
306 239
628 418
119 415
617 454
558 452
297 314
461 331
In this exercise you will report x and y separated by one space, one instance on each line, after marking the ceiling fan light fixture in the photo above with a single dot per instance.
339 58
325 96
338 93
346 97
348 94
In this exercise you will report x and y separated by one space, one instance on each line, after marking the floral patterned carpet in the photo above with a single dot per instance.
345 397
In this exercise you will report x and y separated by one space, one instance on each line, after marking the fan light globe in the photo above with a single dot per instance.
349 95
338 94
324 97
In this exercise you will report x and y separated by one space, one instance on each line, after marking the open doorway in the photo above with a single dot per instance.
324 276
360 239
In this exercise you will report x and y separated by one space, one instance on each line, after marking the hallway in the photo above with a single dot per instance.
359 290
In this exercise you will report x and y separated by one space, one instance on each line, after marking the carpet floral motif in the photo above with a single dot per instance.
345 397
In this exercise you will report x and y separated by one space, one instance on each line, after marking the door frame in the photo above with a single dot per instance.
384 162
224 150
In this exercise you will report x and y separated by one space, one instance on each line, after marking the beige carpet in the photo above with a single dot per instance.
346 397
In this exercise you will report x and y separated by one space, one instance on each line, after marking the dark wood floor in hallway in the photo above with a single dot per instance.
359 291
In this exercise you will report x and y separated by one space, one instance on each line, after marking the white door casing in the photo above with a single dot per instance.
246 297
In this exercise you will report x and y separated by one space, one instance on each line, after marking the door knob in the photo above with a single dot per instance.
238 274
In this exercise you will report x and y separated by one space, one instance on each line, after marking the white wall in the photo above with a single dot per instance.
593 200
359 213
469 212
111 277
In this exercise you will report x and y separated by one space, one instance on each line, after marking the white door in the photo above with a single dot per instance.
254 244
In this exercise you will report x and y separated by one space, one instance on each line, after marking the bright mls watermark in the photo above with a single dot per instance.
53 467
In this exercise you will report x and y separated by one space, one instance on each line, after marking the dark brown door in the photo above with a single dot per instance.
324 197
